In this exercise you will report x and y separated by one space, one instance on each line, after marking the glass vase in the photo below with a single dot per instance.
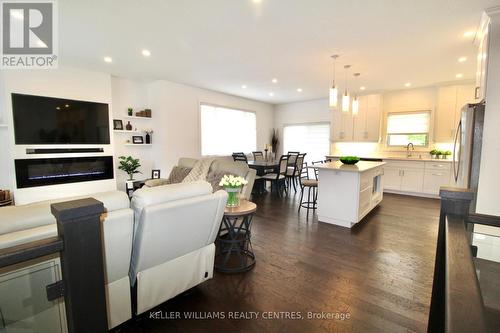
233 196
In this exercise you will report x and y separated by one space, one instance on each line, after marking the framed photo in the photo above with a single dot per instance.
155 174
117 124
137 139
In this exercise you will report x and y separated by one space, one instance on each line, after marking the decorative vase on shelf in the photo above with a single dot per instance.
128 127
148 138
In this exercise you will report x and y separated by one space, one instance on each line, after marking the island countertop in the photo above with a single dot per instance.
361 166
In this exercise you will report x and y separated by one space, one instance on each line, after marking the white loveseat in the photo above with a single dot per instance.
26 223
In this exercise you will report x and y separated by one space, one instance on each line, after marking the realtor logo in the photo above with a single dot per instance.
29 34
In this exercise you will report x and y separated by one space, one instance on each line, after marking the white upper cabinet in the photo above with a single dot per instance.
450 101
364 127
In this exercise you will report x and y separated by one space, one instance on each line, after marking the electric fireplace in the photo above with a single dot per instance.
52 171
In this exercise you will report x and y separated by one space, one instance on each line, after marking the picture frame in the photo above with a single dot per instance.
155 174
137 139
117 124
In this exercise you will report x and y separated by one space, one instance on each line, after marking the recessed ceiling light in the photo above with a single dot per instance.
243 86
362 88
108 59
274 80
146 53
256 1
66 106
462 59
271 94
299 89
469 34
459 76
407 84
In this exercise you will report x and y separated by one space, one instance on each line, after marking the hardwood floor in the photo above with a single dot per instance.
379 274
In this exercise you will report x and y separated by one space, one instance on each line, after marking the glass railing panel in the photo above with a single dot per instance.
24 307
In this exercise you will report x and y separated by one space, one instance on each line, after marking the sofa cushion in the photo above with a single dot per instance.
214 178
237 168
15 218
178 174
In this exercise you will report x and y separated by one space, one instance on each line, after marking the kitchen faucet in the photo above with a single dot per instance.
408 154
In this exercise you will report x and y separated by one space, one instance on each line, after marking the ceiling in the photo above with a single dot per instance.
224 44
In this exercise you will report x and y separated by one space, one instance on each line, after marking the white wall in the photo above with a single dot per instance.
67 83
313 111
129 93
176 116
488 201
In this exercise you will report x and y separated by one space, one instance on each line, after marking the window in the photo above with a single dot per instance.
225 130
403 128
313 139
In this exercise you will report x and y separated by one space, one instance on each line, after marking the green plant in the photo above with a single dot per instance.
129 165
447 153
439 153
433 152
130 111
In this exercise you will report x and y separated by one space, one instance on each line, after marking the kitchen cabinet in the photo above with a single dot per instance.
412 180
450 101
392 178
363 127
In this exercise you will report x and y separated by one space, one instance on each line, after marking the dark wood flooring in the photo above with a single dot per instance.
378 274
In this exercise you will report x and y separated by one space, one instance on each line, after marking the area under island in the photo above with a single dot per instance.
346 193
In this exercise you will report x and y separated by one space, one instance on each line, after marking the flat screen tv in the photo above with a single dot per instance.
45 120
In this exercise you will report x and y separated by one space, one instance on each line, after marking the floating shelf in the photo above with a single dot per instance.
125 131
135 117
138 144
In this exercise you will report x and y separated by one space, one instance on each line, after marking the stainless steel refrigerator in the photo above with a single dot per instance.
467 148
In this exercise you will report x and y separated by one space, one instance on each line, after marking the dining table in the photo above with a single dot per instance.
261 168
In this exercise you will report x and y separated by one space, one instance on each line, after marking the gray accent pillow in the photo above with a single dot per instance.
214 178
178 174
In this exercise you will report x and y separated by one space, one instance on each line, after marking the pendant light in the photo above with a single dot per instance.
345 97
355 101
334 92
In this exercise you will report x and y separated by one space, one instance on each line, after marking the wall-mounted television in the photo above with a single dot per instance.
42 120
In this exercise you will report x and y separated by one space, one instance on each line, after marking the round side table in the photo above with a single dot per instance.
234 248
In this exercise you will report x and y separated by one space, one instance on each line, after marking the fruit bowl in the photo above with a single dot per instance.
351 160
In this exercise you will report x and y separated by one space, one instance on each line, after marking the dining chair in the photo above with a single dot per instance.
293 172
240 157
278 177
258 156
292 157
312 190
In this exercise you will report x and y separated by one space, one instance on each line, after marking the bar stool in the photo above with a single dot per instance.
312 186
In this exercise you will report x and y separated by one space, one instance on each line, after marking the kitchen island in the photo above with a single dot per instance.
346 193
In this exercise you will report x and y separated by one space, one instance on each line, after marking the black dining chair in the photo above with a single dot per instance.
240 157
258 156
292 157
278 177
293 172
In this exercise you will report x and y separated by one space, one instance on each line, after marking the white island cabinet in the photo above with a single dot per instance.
346 193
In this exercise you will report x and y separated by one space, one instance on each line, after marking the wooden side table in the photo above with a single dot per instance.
234 247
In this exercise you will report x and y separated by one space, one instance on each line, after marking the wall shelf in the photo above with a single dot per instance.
135 117
125 131
138 144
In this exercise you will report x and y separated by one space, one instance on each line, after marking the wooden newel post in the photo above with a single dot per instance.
78 224
455 201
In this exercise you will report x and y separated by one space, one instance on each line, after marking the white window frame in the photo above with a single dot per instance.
200 104
428 137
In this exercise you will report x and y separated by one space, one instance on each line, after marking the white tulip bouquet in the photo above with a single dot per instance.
233 186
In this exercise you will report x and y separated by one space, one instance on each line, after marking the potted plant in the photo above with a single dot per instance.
439 153
433 153
130 111
446 154
232 185
130 165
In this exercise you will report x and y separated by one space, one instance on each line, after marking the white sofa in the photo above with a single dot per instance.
167 250
173 247
26 223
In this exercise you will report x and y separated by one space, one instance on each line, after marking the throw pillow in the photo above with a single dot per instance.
178 174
